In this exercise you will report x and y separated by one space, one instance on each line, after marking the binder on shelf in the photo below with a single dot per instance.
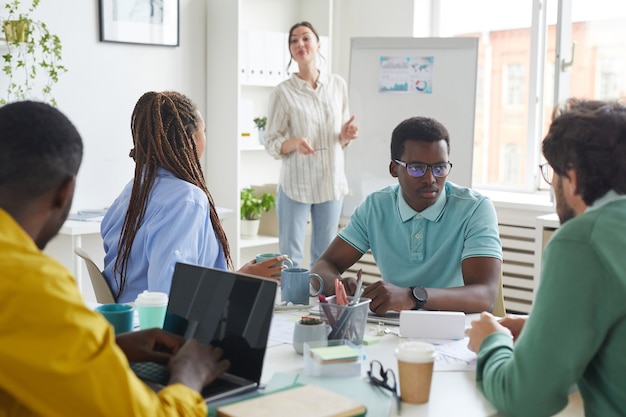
257 62
275 46
243 57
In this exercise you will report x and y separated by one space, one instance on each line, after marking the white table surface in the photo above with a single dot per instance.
452 392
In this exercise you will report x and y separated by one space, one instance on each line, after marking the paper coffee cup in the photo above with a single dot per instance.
415 369
151 307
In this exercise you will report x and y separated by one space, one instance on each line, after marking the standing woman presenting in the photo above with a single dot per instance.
308 127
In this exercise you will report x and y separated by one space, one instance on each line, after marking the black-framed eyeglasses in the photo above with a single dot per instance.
418 169
384 378
546 172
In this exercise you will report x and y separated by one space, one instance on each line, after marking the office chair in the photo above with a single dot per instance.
100 286
499 310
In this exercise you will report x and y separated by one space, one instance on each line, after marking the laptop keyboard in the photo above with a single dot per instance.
151 371
155 372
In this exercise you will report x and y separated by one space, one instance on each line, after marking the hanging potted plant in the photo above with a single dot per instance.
252 207
260 123
32 57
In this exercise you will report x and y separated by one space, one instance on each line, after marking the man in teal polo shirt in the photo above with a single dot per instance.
435 243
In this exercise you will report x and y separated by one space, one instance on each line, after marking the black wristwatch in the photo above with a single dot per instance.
421 296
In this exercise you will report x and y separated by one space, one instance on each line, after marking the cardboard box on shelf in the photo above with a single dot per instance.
269 220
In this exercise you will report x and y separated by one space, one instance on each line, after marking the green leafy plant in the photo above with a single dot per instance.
253 206
33 61
260 122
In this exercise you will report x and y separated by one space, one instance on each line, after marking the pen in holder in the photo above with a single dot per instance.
346 322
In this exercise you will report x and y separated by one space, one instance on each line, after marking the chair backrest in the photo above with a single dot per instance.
499 309
100 285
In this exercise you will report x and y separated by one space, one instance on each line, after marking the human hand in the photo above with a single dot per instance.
269 268
150 345
298 144
349 130
514 324
197 364
386 297
483 327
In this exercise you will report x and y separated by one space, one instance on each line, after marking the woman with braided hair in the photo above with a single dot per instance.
165 214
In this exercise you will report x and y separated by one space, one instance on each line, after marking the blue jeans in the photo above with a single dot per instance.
292 222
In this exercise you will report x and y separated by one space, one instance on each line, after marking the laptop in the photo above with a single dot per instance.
228 309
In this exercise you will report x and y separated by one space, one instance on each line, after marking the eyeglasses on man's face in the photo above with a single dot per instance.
418 169
384 378
546 172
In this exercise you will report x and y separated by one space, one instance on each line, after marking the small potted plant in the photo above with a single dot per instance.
252 207
32 58
260 123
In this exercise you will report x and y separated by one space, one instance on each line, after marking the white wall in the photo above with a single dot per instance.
367 18
105 80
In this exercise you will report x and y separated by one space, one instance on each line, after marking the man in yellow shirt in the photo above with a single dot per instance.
58 357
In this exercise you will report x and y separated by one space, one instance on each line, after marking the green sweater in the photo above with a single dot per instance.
576 333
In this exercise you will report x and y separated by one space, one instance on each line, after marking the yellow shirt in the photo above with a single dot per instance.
58 357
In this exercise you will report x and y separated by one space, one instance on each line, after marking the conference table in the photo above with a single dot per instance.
453 392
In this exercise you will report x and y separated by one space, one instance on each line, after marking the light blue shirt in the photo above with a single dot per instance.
425 248
176 228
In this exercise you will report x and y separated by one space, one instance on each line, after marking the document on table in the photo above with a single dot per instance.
453 355
282 326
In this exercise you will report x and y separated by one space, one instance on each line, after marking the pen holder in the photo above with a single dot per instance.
346 322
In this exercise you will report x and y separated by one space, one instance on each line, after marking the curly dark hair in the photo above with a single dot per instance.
423 129
589 136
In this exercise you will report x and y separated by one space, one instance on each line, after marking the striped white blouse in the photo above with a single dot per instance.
297 110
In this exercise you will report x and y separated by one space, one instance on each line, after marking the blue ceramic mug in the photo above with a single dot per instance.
295 285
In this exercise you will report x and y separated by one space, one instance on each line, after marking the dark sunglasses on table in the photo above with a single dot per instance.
385 379
418 169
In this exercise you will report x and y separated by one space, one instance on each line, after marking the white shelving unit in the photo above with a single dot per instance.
230 93
245 243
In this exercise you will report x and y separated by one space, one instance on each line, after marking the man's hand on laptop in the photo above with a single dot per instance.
151 345
197 364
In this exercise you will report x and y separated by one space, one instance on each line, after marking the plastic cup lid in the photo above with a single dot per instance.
416 352
152 298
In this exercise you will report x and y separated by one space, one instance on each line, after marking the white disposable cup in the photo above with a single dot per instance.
415 369
151 307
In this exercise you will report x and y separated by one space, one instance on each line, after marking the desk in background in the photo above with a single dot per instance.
86 234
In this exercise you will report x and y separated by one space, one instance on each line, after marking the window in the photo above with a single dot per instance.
523 63
608 79
513 87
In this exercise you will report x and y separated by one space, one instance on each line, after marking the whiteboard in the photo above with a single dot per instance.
451 102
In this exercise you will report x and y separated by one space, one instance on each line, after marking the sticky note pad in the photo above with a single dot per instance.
334 354
370 340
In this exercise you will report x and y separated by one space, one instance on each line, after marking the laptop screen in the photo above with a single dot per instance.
228 309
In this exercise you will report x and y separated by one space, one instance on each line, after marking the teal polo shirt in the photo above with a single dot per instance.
425 248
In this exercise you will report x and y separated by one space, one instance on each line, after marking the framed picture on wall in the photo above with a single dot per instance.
149 22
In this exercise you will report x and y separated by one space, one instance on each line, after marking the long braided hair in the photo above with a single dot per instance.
162 125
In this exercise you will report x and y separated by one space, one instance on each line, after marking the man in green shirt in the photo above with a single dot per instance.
576 332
